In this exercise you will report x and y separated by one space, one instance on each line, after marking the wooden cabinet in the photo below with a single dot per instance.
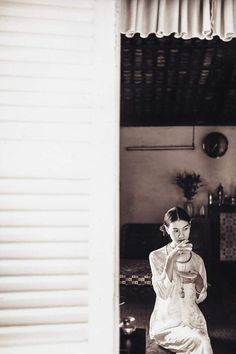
200 236
134 344
223 239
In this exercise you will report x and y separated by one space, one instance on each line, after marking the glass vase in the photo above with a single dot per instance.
189 207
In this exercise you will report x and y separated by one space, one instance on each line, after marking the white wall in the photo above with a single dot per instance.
147 190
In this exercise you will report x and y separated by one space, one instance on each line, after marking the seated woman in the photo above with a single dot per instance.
179 280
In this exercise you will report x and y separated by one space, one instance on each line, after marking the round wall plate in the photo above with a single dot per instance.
215 144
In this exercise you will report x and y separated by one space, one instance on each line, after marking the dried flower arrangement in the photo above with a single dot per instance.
189 182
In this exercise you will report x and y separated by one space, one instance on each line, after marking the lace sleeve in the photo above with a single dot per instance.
160 281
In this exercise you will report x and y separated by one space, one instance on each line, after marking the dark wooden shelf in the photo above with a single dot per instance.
133 344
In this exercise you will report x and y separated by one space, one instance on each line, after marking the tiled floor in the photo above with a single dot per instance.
219 310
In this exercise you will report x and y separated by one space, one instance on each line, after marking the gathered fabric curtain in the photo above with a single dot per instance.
184 18
224 19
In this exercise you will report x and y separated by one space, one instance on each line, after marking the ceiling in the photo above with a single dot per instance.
170 81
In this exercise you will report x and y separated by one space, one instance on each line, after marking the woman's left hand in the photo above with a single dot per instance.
192 277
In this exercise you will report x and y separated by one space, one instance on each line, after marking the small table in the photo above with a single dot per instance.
133 344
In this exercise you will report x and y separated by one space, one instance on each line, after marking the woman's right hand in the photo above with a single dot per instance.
184 247
181 248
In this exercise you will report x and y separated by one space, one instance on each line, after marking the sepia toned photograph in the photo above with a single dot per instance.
117 176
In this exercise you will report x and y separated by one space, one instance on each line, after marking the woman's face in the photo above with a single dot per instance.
179 230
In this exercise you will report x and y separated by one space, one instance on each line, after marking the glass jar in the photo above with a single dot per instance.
210 198
220 194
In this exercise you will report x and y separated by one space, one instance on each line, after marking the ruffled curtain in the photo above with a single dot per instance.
184 18
224 19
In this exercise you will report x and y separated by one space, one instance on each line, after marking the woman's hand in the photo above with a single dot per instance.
181 248
192 277
198 282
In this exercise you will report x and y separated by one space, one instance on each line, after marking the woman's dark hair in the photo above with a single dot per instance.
173 215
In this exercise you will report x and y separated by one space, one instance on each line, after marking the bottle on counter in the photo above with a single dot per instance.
202 211
210 199
233 200
220 194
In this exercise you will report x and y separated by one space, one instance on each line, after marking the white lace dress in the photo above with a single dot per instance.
176 322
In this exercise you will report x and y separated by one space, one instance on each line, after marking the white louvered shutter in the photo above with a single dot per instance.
46 52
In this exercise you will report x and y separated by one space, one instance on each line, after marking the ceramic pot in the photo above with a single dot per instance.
127 325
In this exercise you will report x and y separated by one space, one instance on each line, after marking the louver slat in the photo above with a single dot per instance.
45 267
18 335
44 299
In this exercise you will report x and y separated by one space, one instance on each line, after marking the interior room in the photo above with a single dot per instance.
178 119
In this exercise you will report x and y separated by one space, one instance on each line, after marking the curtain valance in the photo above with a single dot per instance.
184 18
224 19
